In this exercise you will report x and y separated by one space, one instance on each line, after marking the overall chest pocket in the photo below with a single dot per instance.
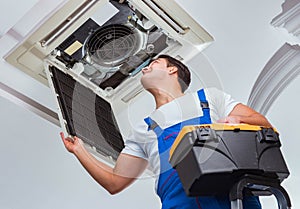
167 139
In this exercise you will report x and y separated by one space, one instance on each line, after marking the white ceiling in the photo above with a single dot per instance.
37 172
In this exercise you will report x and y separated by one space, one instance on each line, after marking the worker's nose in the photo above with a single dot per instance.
145 69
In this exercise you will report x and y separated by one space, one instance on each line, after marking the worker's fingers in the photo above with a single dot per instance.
62 135
222 120
230 119
66 139
77 140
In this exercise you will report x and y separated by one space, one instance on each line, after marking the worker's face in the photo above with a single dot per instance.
155 73
160 63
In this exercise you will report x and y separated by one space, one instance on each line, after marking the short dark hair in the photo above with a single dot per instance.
184 75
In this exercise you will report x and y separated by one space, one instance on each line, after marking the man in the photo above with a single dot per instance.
167 79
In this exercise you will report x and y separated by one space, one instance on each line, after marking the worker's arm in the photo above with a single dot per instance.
244 114
114 180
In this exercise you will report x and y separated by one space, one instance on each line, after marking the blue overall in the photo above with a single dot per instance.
169 188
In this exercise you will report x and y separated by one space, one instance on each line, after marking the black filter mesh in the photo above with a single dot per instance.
88 116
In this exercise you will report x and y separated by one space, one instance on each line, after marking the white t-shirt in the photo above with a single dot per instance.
143 143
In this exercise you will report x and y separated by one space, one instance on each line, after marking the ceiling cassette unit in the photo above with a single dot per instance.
91 53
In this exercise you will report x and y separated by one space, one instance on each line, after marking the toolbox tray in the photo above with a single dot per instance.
211 158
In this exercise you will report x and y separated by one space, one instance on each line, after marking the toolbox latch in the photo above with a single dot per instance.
267 135
204 134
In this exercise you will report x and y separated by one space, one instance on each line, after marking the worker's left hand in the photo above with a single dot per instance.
71 143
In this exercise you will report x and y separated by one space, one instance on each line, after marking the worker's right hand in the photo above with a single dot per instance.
72 144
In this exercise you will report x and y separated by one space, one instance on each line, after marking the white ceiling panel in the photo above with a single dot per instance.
13 11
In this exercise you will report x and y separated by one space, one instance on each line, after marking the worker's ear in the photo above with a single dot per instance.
172 69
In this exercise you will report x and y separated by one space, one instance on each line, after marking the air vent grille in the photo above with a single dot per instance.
87 115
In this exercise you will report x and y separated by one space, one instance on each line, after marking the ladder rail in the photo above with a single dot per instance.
259 186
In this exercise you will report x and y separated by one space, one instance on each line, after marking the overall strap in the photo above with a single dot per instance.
152 125
204 105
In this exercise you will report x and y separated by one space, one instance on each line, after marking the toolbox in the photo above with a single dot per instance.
211 158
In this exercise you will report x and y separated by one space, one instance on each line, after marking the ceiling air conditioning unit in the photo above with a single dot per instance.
91 54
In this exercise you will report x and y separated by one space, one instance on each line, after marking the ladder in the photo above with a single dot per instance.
258 186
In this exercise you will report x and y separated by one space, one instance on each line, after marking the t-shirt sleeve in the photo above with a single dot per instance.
134 148
220 103
139 143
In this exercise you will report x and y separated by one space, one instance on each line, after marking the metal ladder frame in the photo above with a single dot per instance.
258 186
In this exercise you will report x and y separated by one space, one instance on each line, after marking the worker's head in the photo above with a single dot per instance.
165 67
